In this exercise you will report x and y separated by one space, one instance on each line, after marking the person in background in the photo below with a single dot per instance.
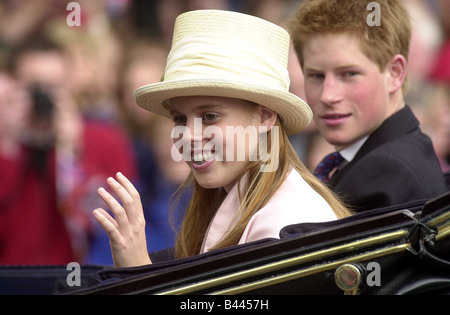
32 230
57 161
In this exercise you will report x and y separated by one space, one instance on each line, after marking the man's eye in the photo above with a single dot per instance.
349 73
315 76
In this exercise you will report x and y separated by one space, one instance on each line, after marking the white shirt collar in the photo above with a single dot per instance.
349 153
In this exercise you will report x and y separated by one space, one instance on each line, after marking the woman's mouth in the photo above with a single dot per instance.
202 160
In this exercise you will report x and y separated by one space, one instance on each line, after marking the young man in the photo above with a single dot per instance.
355 80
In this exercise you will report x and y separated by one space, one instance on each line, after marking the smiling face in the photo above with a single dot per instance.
348 94
202 114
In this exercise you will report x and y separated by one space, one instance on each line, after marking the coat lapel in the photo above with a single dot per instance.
399 124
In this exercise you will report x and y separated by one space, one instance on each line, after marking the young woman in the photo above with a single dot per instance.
226 87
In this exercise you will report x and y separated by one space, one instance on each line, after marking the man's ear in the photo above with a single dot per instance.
398 69
268 117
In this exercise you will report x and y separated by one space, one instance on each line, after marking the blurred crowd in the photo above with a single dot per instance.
68 119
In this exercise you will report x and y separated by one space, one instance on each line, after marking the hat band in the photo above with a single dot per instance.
198 58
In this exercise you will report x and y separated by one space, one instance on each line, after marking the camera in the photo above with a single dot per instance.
42 104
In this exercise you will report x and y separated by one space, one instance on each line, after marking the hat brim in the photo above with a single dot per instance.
294 113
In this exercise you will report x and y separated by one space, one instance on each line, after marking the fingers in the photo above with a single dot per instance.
115 207
131 212
107 223
100 212
128 195
126 226
129 187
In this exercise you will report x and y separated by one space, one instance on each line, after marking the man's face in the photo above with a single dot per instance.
348 94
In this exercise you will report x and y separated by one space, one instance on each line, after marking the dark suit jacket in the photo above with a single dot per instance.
397 164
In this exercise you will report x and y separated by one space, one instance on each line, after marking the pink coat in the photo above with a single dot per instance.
294 202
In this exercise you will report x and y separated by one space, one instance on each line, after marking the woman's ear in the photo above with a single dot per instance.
397 69
268 117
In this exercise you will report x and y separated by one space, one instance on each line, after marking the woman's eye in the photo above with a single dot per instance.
209 117
179 120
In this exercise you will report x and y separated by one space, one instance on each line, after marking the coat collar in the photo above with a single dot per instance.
400 123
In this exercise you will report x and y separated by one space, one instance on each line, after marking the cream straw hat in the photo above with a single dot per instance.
228 54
